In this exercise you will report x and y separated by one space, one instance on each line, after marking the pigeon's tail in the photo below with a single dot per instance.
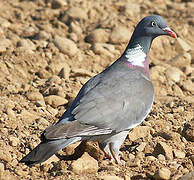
45 150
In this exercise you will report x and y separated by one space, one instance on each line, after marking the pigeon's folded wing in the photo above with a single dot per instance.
118 102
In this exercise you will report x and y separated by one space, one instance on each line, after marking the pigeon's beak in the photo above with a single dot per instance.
170 32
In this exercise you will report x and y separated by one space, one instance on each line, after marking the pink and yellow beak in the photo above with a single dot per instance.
170 32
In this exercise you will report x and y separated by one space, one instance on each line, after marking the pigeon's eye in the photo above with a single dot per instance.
153 24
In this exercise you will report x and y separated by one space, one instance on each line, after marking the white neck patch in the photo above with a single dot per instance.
136 56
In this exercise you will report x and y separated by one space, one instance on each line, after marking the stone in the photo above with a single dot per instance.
161 157
53 158
43 73
2 169
5 155
55 101
1 32
189 99
73 37
29 32
81 72
41 44
29 116
76 13
4 44
52 111
4 22
34 96
192 56
75 27
14 141
57 90
120 34
54 90
5 131
26 44
103 49
20 172
162 173
56 67
181 45
40 103
66 46
71 148
43 121
180 60
80 56
54 80
43 35
58 3
173 74
85 165
140 155
192 158
106 166
151 158
131 156
188 131
139 132
10 113
188 85
131 9
109 177
3 68
177 90
157 73
91 148
178 154
185 171
188 176
141 147
98 36
65 71
48 55
188 70
133 163
163 148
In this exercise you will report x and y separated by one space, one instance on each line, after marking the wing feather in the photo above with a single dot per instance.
72 129
116 102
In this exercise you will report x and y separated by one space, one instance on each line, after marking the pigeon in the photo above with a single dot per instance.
109 104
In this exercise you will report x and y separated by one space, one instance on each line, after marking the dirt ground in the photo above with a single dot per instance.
49 49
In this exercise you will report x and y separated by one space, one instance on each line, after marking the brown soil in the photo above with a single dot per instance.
30 65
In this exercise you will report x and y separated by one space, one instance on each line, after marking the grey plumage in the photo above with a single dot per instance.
110 103
112 98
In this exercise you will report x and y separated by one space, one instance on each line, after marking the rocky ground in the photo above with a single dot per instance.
49 49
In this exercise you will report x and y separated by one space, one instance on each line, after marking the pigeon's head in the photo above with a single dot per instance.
153 26
147 29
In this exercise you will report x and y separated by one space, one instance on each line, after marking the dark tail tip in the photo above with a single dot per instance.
27 162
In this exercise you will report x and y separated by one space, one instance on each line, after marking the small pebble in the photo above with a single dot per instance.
85 165
161 157
181 45
178 153
14 141
151 158
120 34
65 45
55 101
2 168
162 173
